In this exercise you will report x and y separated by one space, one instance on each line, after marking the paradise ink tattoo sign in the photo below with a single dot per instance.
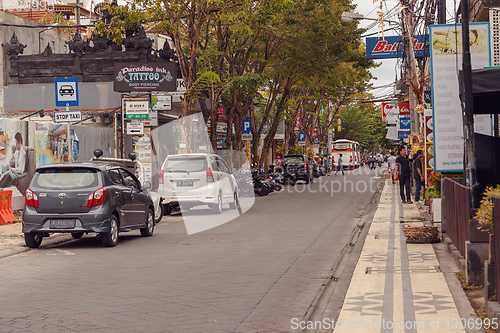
153 76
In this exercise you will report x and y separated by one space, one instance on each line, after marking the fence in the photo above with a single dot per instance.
458 213
496 241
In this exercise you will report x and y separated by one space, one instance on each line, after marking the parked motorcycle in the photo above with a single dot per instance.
288 178
260 188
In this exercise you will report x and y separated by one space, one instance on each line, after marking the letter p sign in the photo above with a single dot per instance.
247 126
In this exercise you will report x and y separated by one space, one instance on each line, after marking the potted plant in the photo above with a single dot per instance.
433 194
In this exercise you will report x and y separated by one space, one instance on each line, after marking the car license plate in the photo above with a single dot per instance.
185 183
61 224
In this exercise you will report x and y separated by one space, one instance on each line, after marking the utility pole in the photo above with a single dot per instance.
468 110
441 11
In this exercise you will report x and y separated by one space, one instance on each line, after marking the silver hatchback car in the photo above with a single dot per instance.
78 198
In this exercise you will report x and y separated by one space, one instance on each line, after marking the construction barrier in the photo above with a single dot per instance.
6 214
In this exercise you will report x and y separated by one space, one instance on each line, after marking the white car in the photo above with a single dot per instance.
197 179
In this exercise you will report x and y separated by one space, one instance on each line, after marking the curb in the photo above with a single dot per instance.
20 247
334 289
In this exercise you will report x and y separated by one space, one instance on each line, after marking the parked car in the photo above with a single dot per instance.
134 166
197 179
89 197
298 165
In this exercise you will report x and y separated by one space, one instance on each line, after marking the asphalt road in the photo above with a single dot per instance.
252 274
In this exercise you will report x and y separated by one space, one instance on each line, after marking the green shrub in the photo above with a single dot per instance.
484 214
433 188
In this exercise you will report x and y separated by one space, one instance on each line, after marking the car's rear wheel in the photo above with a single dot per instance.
159 213
110 238
167 209
150 225
33 239
234 204
217 208
77 235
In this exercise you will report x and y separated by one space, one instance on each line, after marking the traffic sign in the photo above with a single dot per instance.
66 92
302 143
246 136
302 137
135 128
247 126
67 116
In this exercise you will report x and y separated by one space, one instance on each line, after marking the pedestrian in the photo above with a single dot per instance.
391 165
340 166
404 172
417 173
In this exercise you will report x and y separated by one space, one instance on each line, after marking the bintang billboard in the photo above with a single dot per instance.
153 76
390 47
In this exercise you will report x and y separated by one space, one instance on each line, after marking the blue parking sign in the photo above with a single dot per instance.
247 126
302 136
66 92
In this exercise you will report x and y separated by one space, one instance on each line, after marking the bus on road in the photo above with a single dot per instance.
350 150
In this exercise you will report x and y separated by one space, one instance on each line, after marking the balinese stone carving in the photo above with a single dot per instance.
13 48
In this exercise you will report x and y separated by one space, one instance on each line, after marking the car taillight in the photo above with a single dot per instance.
210 176
350 160
96 198
31 198
305 165
161 177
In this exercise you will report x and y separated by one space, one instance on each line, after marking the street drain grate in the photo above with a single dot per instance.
399 270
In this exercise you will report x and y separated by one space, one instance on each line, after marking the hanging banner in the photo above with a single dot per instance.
390 113
404 109
429 147
297 123
446 61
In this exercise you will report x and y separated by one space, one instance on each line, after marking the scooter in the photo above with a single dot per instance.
288 177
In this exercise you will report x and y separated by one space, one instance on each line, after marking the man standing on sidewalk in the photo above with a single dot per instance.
417 174
391 164
340 166
403 169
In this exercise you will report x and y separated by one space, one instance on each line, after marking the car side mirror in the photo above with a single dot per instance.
146 186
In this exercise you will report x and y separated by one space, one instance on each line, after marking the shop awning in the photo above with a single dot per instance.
486 90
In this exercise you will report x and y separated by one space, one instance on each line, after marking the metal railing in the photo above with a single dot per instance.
458 212
496 241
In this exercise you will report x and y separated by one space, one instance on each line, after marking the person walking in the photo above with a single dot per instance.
391 165
340 166
417 174
404 172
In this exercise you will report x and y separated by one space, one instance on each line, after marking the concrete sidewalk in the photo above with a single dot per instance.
400 287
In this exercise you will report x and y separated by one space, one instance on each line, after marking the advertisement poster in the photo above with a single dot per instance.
51 143
16 157
142 150
446 61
